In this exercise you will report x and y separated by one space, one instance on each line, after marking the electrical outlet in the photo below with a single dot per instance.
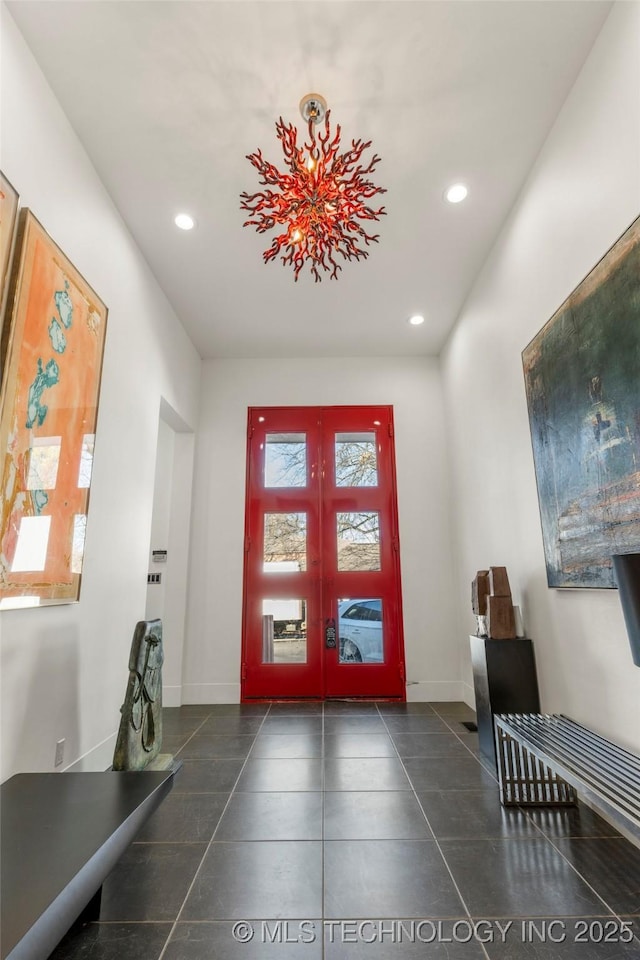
59 752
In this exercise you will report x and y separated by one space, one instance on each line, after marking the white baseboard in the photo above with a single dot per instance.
469 695
172 696
211 693
434 691
95 760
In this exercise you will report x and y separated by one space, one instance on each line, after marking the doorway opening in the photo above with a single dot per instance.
167 579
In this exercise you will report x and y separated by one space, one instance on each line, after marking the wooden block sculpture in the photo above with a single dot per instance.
479 591
140 733
491 603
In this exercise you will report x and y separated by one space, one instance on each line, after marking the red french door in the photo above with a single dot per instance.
322 602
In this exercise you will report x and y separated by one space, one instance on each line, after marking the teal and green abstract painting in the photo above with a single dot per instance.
582 375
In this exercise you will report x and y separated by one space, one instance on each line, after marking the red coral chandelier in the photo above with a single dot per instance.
319 201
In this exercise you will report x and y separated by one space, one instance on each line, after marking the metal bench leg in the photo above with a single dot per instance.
525 780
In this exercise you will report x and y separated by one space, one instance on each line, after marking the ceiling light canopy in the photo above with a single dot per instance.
320 201
456 193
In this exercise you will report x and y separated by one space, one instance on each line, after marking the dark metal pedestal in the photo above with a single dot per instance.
504 680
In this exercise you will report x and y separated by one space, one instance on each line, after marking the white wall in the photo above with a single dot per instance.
581 195
64 668
412 385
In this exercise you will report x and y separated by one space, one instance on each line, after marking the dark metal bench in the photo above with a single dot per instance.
62 833
546 760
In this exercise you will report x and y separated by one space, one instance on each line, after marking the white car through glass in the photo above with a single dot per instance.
360 631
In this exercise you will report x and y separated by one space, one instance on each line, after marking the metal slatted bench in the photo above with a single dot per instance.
548 760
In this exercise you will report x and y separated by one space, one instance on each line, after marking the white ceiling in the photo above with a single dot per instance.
169 97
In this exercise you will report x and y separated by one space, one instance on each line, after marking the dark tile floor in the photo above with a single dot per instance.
353 830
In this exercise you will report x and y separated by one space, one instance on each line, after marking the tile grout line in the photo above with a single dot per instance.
583 878
458 736
540 834
190 737
545 836
522 810
435 839
618 914
208 847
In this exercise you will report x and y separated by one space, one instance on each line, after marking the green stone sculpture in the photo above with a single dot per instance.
140 734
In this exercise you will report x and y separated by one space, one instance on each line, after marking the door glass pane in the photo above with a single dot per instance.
360 633
284 631
356 461
358 541
285 460
285 542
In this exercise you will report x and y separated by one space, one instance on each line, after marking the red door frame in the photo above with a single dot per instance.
322 676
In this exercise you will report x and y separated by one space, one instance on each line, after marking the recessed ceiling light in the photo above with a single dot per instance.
184 221
456 193
416 320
